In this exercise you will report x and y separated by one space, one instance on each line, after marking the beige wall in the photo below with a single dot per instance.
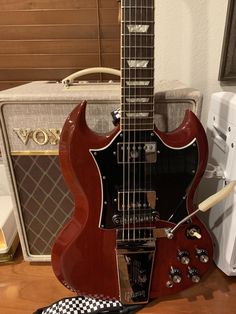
189 35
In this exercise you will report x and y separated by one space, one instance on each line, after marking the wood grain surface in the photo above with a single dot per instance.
25 287
52 38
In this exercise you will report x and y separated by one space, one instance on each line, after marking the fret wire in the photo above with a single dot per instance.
125 69
139 96
141 79
125 117
133 68
139 22
136 96
138 47
137 7
125 66
140 71
132 35
140 41
139 76
137 104
149 21
135 2
147 8
137 124
138 110
123 83
132 95
149 104
140 68
138 119
137 58
133 110
126 87
143 87
134 88
138 129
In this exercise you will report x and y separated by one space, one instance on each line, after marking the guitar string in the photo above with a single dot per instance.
147 212
123 96
151 9
140 164
145 134
148 13
147 166
129 132
134 132
140 132
126 135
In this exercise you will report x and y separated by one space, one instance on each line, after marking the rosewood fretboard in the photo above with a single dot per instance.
137 64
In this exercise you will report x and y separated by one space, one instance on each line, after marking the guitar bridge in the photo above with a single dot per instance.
135 263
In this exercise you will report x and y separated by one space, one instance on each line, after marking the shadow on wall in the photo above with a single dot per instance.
206 30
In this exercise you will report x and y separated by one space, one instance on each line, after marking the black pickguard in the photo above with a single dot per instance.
169 176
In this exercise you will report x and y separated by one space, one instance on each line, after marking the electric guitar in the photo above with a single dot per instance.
128 238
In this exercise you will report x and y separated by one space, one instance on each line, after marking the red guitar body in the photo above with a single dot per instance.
84 256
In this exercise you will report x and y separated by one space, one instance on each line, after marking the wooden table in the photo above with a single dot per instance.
24 287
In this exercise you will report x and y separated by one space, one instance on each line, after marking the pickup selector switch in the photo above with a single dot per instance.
175 275
202 255
194 275
194 233
183 256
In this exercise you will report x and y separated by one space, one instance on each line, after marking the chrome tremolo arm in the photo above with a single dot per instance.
202 207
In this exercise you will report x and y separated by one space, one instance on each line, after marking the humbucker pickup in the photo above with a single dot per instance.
136 200
137 152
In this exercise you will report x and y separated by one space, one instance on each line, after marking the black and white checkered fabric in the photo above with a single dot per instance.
81 305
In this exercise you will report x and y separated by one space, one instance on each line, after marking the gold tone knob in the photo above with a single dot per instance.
175 275
194 275
183 257
202 254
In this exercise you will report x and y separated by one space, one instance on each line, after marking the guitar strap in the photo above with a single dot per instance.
85 305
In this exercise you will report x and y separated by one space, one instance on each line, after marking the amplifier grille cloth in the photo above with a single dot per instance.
45 201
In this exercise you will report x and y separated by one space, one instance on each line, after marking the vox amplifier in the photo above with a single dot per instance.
32 116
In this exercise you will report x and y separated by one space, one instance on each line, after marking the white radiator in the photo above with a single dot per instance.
221 130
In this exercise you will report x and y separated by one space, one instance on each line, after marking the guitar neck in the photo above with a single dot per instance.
137 64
